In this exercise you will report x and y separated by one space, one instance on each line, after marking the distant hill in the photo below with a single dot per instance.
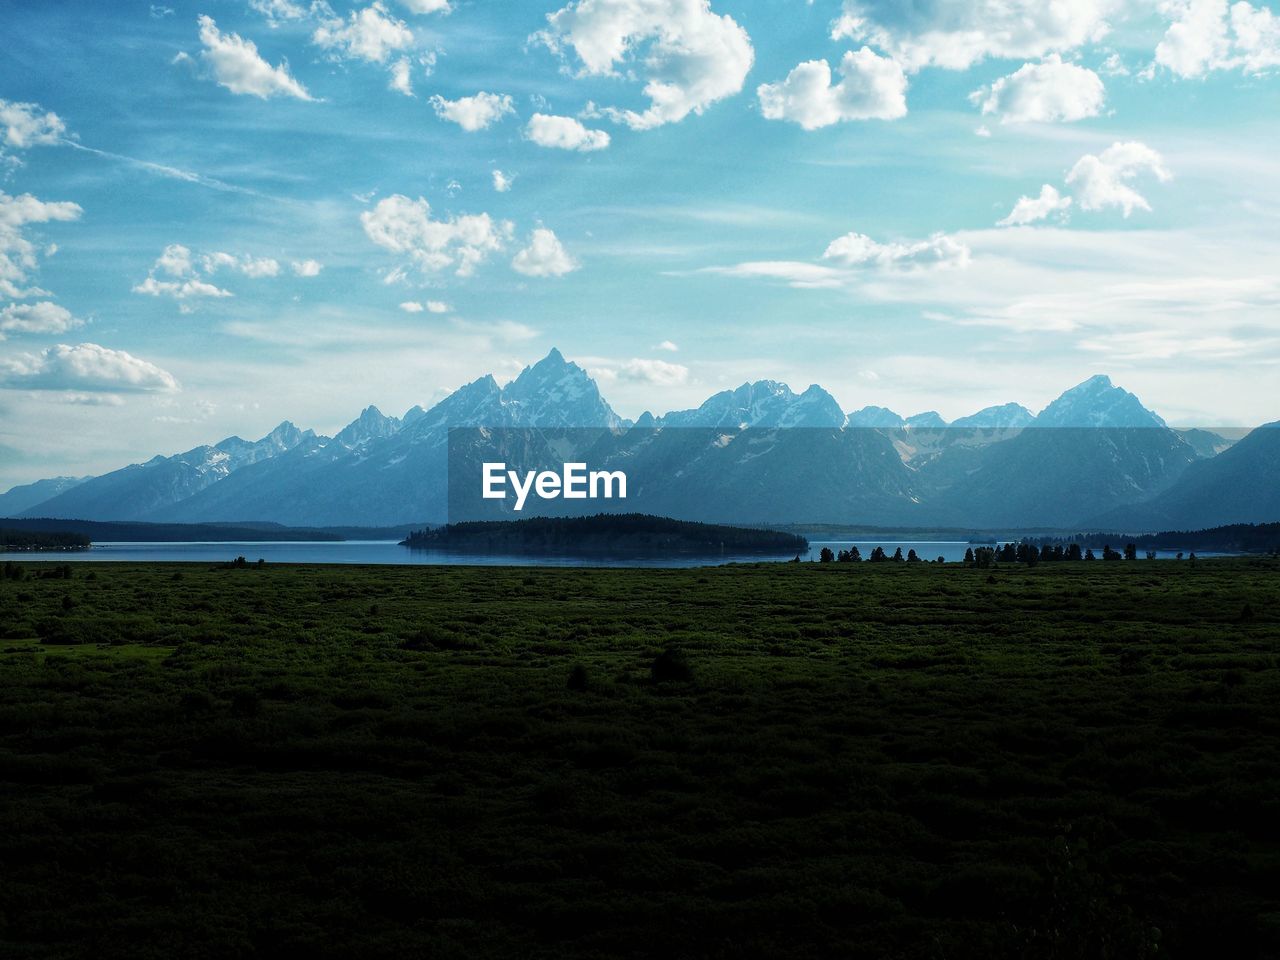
108 531
11 540
611 534
1233 538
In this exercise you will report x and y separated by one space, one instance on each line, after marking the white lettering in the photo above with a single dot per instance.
609 478
521 491
494 477
574 482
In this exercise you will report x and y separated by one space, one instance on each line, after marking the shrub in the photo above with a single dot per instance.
671 666
578 678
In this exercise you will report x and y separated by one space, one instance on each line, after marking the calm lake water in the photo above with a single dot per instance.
390 552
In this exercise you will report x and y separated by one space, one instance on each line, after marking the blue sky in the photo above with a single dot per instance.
221 214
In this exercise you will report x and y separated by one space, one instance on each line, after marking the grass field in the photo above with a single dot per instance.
843 760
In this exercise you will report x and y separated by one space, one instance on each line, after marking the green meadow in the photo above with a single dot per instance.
777 760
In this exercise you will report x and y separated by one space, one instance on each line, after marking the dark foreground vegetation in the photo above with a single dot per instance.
613 534
13 540
779 760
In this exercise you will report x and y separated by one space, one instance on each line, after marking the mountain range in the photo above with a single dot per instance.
759 453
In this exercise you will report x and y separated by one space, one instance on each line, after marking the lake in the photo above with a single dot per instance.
390 552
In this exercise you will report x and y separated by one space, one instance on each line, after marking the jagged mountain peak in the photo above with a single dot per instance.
873 416
370 425
1002 417
1097 403
929 420
555 392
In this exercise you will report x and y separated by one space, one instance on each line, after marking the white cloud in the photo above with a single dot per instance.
401 81
795 273
859 250
277 10
426 6
307 268
955 35
461 243
431 306
236 65
1103 181
1113 66
180 289
545 256
871 88
502 181
657 372
691 57
473 113
253 267
1206 35
1030 209
19 257
28 125
177 261
1257 32
668 346
1046 92
564 133
369 34
85 366
34 318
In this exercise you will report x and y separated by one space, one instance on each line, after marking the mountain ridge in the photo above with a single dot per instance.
779 454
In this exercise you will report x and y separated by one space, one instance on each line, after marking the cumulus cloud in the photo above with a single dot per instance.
462 243
690 56
859 250
657 372
1046 92
36 318
28 125
237 65
1103 181
253 267
1030 209
668 346
1207 35
401 81
871 88
19 257
955 35
182 275
426 6
307 268
564 133
474 113
545 256
431 306
278 10
180 289
85 367
370 34
502 181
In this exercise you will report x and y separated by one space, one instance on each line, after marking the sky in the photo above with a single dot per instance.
218 215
